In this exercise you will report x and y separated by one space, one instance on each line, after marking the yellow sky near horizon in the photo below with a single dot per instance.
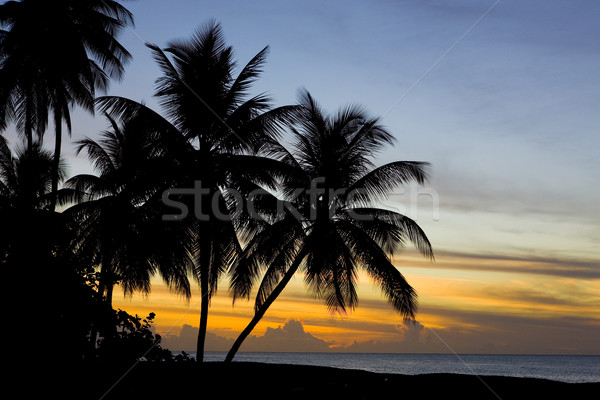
467 304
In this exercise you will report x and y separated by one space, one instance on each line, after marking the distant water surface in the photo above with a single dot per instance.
563 368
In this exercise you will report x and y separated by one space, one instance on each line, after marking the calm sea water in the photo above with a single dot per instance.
559 368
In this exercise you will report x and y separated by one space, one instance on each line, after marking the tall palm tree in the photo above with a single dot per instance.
55 55
333 226
212 131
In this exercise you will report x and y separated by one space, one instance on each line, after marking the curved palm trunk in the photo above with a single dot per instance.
56 160
265 306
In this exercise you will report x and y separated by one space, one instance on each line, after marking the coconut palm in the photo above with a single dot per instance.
30 233
212 131
55 55
22 100
118 223
19 92
333 227
25 178
34 248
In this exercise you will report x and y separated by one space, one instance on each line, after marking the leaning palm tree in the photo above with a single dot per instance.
331 226
55 55
211 133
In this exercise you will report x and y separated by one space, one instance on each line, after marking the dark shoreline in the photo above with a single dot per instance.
249 380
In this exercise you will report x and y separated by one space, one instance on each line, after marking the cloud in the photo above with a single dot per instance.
551 266
486 333
289 337
414 337
187 339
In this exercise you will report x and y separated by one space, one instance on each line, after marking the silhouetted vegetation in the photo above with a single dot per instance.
332 228
205 190
131 340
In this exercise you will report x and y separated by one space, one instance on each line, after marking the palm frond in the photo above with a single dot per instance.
380 182
379 267
246 78
390 229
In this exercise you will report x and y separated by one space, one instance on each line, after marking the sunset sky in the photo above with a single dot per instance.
501 97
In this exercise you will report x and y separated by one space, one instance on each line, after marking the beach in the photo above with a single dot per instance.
276 381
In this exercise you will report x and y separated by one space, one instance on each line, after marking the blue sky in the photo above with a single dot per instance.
508 118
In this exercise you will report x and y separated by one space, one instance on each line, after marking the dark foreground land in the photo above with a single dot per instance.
274 381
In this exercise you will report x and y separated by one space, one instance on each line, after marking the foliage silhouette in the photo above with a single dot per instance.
335 228
117 223
210 139
214 137
33 243
56 55
134 340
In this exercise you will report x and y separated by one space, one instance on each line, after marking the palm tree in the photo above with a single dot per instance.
212 132
30 233
25 178
33 243
333 228
22 99
117 224
55 55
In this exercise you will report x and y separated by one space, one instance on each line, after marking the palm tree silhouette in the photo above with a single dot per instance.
118 225
334 228
30 234
25 178
34 249
22 99
211 135
55 55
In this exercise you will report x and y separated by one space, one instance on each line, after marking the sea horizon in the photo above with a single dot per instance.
556 367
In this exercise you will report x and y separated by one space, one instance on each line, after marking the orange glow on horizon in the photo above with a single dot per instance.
447 296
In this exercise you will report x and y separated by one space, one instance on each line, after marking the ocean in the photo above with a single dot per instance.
574 369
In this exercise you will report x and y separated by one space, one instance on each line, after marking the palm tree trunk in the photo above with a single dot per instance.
205 259
203 319
265 306
109 292
56 161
